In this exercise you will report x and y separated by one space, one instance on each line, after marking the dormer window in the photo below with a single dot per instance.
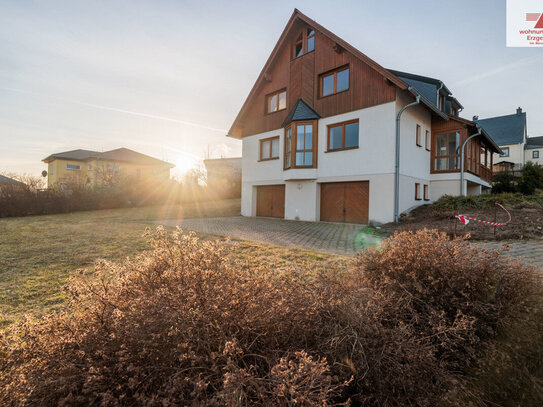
276 101
304 43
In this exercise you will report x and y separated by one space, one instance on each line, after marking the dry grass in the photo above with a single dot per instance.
38 254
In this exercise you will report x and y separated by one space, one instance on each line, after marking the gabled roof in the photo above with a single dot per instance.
76 155
127 155
301 111
387 74
534 142
119 154
504 130
297 15
7 180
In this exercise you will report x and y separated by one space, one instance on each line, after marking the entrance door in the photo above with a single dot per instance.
345 202
270 201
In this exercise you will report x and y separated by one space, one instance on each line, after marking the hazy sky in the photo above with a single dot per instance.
167 78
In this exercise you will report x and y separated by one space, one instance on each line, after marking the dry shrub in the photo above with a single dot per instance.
413 323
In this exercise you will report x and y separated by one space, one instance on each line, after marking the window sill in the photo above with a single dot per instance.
425 199
275 111
427 149
333 94
419 145
268 159
418 199
341 149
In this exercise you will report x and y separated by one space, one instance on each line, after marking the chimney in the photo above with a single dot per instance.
519 110
475 118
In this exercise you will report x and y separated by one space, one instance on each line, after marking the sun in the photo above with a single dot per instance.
184 162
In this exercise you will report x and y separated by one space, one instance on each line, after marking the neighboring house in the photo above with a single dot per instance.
224 176
319 128
93 168
533 150
510 133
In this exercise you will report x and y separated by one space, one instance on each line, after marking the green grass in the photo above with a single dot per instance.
39 253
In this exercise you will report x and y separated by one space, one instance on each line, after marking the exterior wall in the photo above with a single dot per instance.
96 174
373 161
516 154
528 156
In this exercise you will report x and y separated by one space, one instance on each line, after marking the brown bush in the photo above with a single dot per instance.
413 323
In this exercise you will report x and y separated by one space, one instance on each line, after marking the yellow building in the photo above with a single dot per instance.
92 168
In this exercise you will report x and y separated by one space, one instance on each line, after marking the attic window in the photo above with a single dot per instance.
310 39
305 42
276 101
335 81
299 47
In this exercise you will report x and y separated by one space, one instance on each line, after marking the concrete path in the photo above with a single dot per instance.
337 238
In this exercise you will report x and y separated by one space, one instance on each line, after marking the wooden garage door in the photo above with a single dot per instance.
345 202
270 201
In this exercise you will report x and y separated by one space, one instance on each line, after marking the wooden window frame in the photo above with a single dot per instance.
417 192
261 144
342 124
303 41
334 72
434 151
534 154
270 95
425 193
294 143
428 141
419 136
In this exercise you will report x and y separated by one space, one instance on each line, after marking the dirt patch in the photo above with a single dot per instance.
526 223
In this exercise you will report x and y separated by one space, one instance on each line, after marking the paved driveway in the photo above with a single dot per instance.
337 238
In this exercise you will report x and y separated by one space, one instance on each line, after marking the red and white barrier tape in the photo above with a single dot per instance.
465 219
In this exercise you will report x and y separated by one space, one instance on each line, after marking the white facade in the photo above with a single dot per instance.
373 161
529 155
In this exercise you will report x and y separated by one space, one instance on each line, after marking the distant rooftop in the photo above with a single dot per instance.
7 180
119 154
534 142
504 130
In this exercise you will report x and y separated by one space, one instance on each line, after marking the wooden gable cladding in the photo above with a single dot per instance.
301 76
367 87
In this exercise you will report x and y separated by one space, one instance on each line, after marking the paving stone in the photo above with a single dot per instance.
337 238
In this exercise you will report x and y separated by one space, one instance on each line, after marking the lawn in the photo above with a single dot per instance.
38 254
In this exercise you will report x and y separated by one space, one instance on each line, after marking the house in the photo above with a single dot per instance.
92 168
328 134
224 176
511 134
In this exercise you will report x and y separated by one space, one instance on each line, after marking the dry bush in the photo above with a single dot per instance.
413 323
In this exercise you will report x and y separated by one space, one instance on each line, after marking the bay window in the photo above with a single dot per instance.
300 145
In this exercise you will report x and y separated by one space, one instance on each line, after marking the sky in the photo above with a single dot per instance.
167 78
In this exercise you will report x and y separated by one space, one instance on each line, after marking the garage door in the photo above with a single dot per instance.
345 202
270 201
